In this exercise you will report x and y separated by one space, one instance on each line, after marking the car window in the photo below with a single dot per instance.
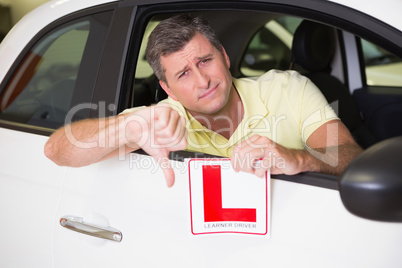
270 48
41 89
143 69
382 68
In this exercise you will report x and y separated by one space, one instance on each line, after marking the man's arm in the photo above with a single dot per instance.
85 142
330 149
157 130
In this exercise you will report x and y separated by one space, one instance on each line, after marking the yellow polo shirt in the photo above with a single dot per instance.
284 106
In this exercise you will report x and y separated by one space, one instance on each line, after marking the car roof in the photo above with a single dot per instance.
387 11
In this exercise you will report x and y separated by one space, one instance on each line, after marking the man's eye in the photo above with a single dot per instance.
183 74
205 61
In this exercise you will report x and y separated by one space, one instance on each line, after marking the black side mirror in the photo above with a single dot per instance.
371 186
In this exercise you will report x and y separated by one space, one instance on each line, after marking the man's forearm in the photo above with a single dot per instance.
332 160
86 142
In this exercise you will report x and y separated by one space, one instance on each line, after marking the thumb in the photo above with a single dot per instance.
168 171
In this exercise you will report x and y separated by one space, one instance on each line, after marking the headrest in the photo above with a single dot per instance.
313 46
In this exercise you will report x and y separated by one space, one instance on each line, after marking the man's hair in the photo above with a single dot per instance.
172 35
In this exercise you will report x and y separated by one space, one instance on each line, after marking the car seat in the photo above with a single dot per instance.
148 91
313 49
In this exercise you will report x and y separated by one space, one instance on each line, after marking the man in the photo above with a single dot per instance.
279 122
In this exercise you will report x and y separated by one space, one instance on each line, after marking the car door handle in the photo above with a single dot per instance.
77 224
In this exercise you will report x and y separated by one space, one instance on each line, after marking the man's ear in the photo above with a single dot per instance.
225 56
167 90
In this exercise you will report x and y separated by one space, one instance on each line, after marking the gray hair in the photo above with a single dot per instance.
172 35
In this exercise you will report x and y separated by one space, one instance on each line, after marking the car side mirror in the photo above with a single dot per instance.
371 186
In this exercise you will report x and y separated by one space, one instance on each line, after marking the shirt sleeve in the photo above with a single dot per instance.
315 110
132 110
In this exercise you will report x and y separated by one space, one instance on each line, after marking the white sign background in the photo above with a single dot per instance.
239 190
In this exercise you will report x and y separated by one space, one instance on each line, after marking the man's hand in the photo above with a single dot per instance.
258 154
329 150
158 130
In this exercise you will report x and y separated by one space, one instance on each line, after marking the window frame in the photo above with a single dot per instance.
44 130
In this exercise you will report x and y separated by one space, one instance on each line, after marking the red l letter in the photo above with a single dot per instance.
213 210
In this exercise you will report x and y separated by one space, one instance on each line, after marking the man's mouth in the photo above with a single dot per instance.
208 92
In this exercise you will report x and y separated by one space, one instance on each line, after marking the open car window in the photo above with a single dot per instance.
269 48
265 42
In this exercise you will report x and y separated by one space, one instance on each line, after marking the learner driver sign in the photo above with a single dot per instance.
223 201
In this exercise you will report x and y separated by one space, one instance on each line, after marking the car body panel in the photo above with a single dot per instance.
29 199
376 9
155 223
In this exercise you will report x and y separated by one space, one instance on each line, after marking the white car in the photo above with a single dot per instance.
70 60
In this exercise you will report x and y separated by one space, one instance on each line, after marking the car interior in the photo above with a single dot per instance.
313 48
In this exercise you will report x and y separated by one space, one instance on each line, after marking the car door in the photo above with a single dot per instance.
36 95
30 189
120 213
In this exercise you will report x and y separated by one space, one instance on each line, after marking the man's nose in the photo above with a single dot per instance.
202 79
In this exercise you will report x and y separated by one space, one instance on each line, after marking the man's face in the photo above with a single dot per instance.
198 77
